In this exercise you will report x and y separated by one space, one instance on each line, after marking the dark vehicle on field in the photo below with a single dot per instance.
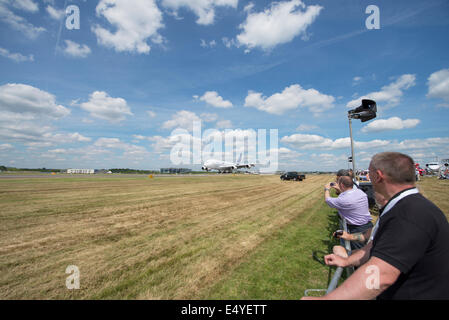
293 175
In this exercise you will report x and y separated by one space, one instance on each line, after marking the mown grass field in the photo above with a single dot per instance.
216 237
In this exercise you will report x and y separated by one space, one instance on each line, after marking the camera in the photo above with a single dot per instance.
338 233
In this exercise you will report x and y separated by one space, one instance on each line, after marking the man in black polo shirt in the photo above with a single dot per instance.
408 255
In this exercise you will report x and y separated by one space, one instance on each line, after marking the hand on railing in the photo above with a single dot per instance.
336 260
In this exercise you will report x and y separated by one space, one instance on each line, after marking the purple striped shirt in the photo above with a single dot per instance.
352 205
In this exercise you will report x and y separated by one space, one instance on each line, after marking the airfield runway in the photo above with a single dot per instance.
45 175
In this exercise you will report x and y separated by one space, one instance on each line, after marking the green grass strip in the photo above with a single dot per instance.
283 267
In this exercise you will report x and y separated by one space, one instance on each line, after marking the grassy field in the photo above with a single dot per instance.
436 191
216 237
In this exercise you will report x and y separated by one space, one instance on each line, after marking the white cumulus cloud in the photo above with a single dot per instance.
17 57
439 85
279 24
102 106
55 13
290 98
393 123
17 22
212 98
26 100
26 5
182 119
436 143
34 134
26 115
76 50
390 95
311 142
203 9
134 24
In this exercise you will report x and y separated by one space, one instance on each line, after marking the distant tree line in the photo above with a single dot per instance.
3 168
127 170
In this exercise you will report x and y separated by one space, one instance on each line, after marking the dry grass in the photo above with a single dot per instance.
436 191
139 238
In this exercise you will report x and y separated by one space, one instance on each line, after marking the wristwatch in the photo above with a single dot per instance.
326 189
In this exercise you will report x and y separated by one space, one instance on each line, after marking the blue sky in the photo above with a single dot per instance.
110 93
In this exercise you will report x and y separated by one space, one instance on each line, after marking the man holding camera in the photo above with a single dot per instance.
352 205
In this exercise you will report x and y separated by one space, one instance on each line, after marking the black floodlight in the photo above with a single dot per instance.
365 112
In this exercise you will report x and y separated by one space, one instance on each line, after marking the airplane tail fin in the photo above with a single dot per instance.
240 158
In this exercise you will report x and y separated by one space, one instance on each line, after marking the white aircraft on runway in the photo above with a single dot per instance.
433 167
223 166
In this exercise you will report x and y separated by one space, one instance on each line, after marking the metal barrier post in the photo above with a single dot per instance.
337 275
334 282
349 270
338 272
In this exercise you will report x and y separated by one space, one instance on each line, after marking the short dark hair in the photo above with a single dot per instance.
351 173
346 181
398 167
342 173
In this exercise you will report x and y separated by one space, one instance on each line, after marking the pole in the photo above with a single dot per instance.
334 282
349 270
344 225
352 146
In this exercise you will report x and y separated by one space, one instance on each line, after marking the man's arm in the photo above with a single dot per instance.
366 283
352 236
359 236
331 201
327 193
356 259
337 188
